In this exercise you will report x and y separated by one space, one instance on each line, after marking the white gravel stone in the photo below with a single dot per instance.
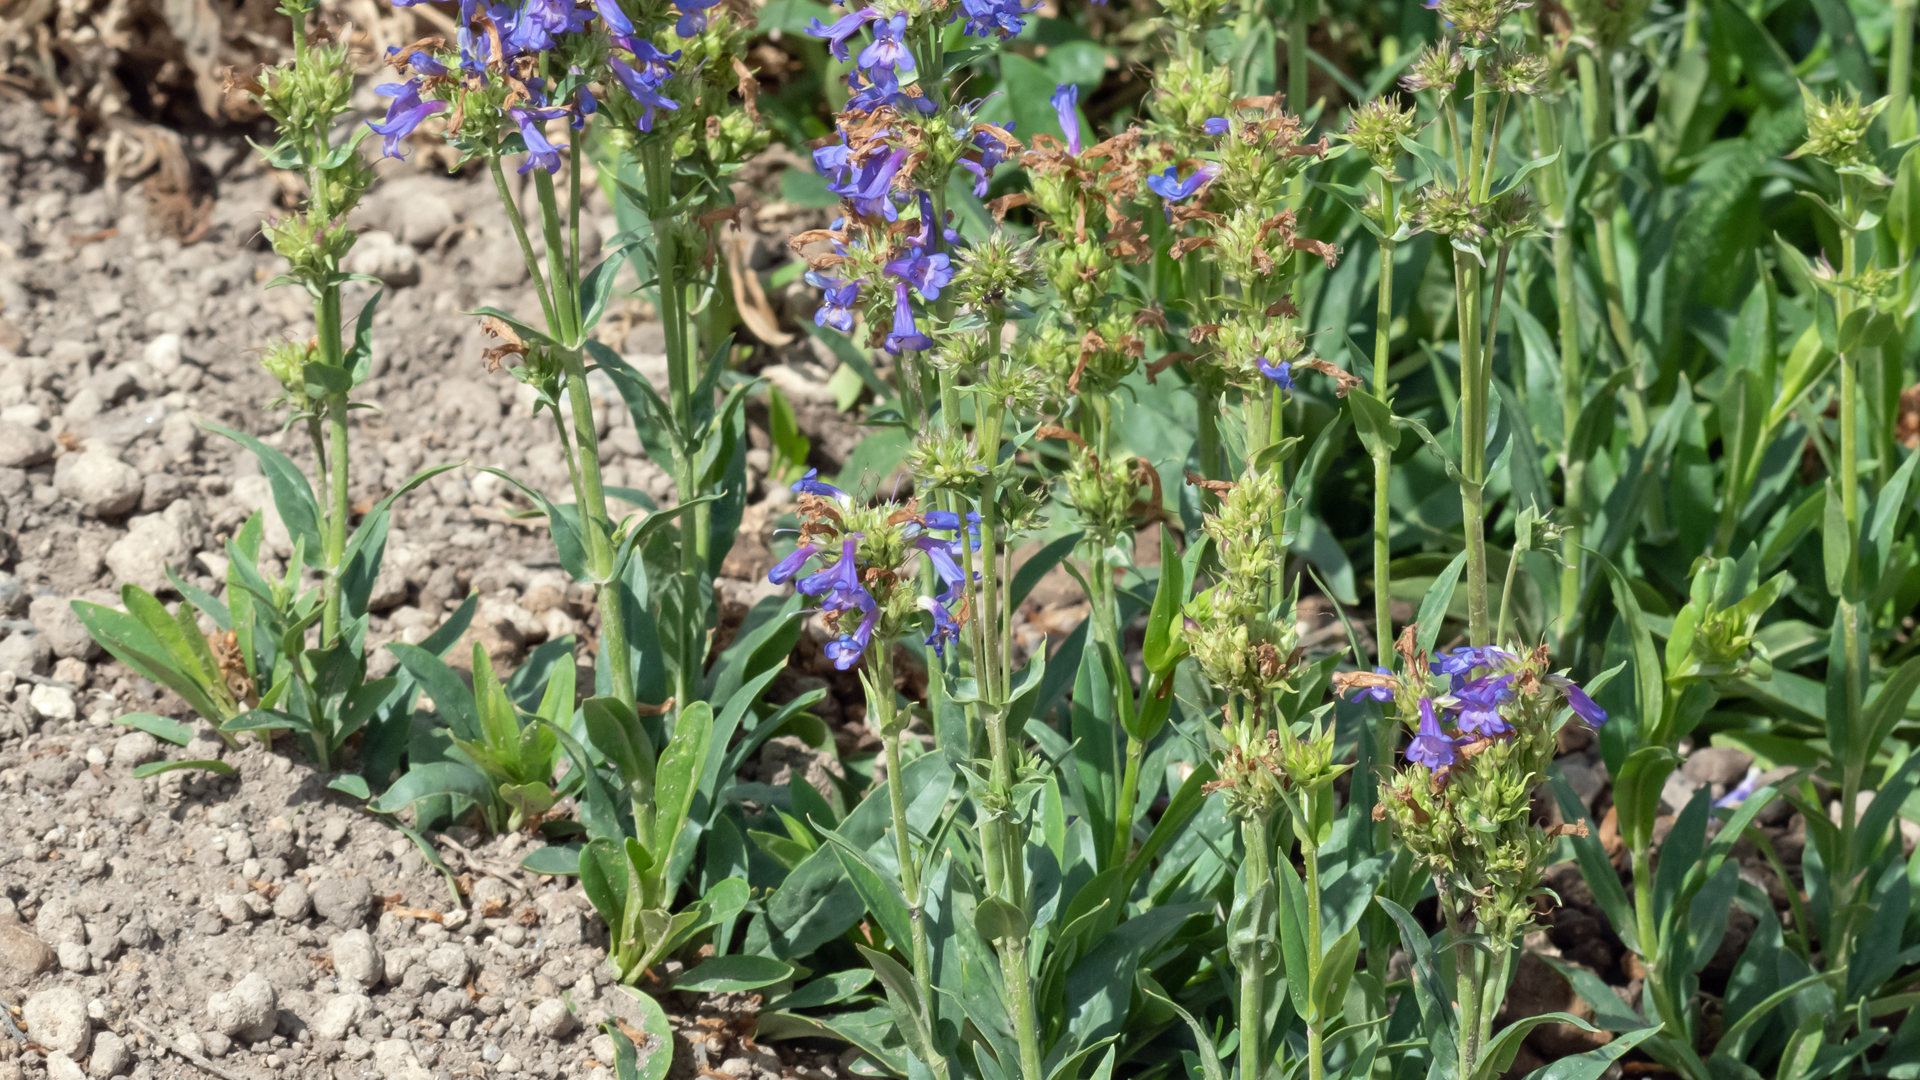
551 1019
246 1011
135 748
339 1015
23 447
62 1067
154 544
74 957
162 354
394 1059
101 483
382 255
357 959
111 1056
449 964
57 1019
293 904
52 702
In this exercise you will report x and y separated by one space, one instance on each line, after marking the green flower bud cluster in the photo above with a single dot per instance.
1478 20
1103 493
1376 129
1242 629
946 461
1713 634
304 99
1607 23
1438 68
1837 130
987 276
1193 88
313 252
287 362
1081 271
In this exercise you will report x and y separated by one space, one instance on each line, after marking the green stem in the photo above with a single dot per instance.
1473 435
1253 1011
1316 1031
1383 457
1596 92
519 223
1900 72
1129 795
894 731
336 538
1299 23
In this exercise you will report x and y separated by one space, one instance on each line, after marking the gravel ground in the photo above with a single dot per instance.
260 925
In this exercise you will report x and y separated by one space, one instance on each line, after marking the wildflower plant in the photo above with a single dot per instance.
285 656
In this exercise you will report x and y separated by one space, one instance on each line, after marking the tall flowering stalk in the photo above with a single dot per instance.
1481 223
1483 723
319 376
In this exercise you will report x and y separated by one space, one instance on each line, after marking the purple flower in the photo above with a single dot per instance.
940 554
839 583
642 89
1583 706
889 49
1479 706
1376 693
1463 660
784 570
847 650
403 115
653 65
1742 792
841 30
883 88
945 628
867 184
810 485
906 336
988 17
926 273
617 22
1168 186
693 20
992 153
1217 125
1065 97
1430 746
533 26
836 309
1281 373
942 519
540 153
831 160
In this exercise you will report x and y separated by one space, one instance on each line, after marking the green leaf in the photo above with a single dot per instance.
597 286
292 495
1163 645
564 524
359 358
1035 568
1636 792
1903 204
1836 542
909 1012
558 860
1433 607
829 989
648 1062
678 776
160 727
351 784
997 920
1593 1063
733 974
435 778
155 768
1648 674
1373 422
783 428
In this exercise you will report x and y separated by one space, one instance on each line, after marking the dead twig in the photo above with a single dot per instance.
507 874
13 1029
197 1060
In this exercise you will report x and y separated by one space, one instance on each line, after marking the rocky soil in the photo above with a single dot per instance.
259 925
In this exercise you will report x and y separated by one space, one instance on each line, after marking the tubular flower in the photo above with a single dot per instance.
889 48
926 273
1169 187
837 309
1217 125
1463 660
841 30
403 115
693 18
945 627
1430 747
1281 373
840 583
1584 707
642 88
1742 791
906 335
809 485
1479 712
784 570
987 17
992 153
847 651
1065 98
616 20
540 153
